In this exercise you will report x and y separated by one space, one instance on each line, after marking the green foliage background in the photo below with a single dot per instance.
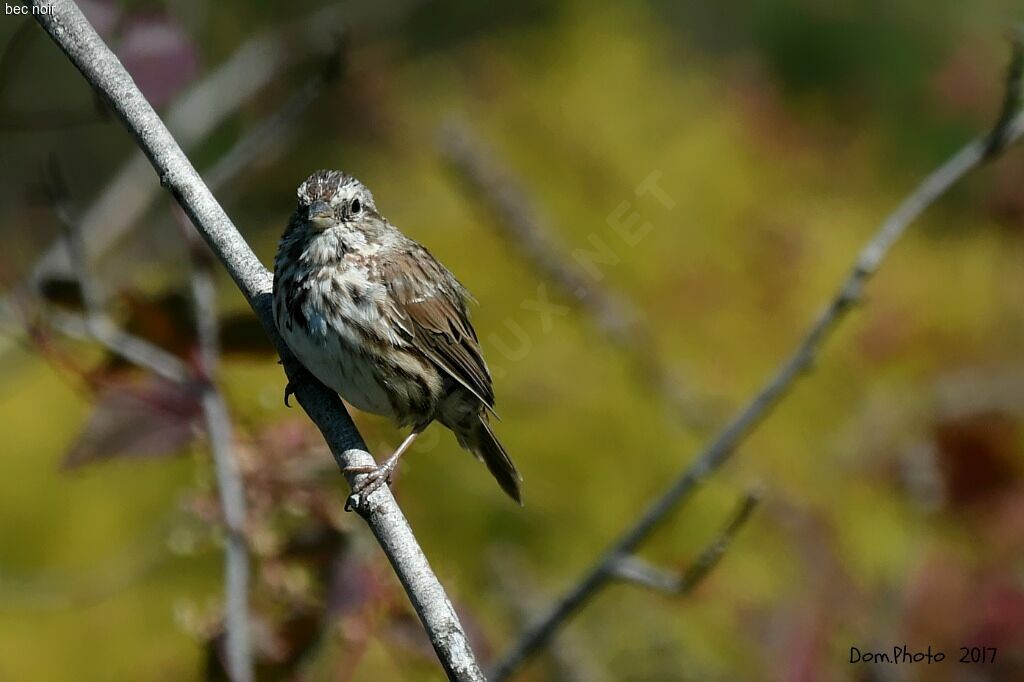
784 131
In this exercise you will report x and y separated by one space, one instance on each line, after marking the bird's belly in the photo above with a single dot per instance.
352 375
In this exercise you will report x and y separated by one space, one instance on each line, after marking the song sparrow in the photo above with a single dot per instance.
374 316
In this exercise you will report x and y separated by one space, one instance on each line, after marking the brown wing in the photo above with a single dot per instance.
430 302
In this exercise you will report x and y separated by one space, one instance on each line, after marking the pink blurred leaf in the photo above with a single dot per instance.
150 418
159 55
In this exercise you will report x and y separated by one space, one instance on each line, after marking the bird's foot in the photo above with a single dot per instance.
294 385
373 478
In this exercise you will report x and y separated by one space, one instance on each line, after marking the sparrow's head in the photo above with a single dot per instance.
330 199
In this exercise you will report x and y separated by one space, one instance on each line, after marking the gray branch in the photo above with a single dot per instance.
721 448
134 349
229 480
635 570
193 116
571 660
198 112
98 326
94 324
75 36
270 134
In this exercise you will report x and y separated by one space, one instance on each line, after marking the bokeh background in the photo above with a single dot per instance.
782 131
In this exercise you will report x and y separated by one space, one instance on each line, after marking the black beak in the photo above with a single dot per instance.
321 215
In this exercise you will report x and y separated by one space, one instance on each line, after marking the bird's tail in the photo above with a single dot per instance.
481 441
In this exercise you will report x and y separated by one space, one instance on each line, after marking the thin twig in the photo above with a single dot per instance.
229 479
273 131
1013 96
635 570
94 324
192 117
72 33
92 296
529 230
571 662
750 415
134 349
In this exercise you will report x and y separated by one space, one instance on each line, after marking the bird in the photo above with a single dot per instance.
377 318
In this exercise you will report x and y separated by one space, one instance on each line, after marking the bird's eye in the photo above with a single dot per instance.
355 208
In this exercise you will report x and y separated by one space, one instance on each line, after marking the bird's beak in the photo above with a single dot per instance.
321 216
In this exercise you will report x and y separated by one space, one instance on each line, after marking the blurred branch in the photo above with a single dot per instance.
524 226
274 130
635 570
94 324
229 480
1013 97
72 33
721 448
252 146
197 113
570 659
134 349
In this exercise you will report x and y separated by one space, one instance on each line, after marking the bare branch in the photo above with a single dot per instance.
94 324
92 297
72 33
136 350
750 415
194 115
273 131
527 229
571 662
1013 97
229 480
714 552
635 570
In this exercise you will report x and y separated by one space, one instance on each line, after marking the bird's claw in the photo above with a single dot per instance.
373 478
289 391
